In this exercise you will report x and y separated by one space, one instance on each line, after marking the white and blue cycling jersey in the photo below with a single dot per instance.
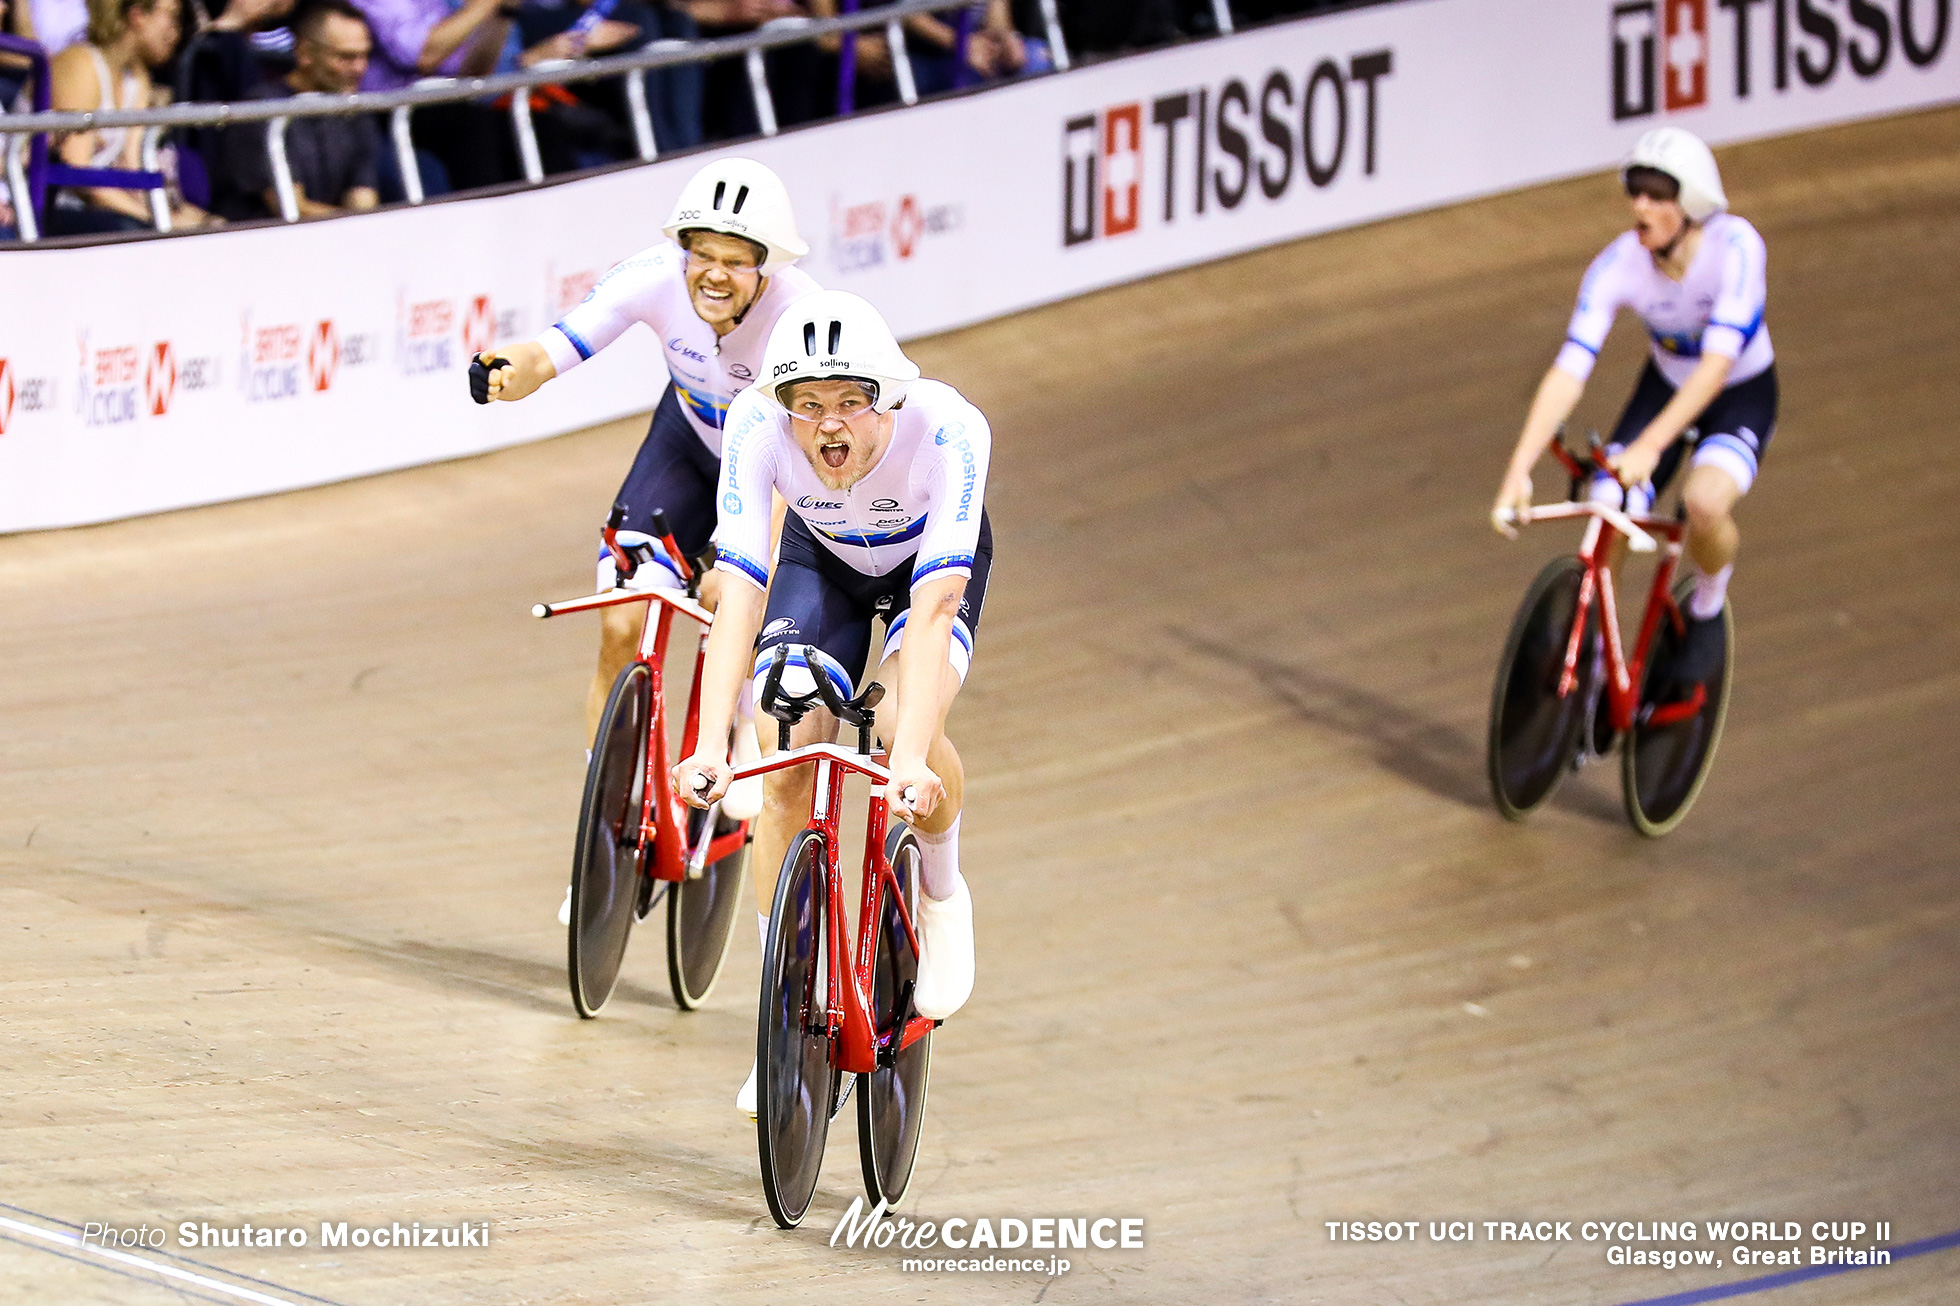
920 505
708 371
1716 308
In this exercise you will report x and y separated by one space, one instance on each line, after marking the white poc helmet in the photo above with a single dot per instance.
1683 156
740 197
832 335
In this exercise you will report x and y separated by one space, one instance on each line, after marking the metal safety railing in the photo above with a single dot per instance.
18 131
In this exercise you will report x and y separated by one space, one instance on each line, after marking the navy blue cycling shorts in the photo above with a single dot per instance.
817 598
675 473
1735 427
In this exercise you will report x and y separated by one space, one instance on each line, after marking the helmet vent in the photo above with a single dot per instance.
721 189
741 198
836 335
810 339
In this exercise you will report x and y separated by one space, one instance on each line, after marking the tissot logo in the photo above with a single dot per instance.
1664 55
1207 146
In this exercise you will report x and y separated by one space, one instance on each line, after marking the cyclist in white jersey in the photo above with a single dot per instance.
710 294
1695 275
885 476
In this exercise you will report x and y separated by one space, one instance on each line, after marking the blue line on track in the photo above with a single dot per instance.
1788 1277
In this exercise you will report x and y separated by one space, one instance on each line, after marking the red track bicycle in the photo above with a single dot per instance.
636 840
827 1012
1566 692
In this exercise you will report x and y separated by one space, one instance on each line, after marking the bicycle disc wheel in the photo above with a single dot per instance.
892 1098
1663 767
1534 733
794 1084
701 916
606 865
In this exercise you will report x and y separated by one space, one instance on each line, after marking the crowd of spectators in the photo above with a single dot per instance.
130 53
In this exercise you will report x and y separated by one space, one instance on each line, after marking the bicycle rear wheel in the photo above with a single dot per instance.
606 865
1535 733
1664 766
892 1098
794 1084
701 915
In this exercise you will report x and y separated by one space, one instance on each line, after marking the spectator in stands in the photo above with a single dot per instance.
426 38
111 70
332 160
1104 26
798 85
994 49
576 29
54 24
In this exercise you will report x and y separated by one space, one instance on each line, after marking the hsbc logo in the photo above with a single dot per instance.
1183 154
322 356
1664 58
6 395
479 326
160 379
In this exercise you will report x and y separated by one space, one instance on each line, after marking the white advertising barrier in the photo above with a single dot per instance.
143 377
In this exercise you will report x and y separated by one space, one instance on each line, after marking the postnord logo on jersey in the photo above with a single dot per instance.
1673 55
1204 149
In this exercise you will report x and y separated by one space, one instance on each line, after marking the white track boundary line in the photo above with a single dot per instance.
155 1267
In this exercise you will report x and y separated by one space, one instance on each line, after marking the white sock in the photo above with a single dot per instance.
762 928
939 862
1710 593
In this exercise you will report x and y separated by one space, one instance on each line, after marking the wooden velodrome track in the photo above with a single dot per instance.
289 788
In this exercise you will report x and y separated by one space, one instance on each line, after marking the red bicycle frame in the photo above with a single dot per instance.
854 1044
1596 585
663 817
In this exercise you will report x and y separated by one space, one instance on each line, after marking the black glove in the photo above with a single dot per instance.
480 377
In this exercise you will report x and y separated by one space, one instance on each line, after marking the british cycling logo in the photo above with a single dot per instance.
1664 55
269 361
107 383
976 1243
425 335
871 233
1209 148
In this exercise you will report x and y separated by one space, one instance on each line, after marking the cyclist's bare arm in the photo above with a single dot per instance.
922 673
528 367
1695 394
731 643
1558 394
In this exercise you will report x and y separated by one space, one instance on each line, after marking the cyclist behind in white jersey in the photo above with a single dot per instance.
711 297
885 476
1695 274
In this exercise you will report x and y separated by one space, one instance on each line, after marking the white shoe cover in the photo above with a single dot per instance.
945 953
743 801
565 907
745 1098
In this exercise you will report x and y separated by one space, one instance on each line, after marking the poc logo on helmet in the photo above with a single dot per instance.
782 368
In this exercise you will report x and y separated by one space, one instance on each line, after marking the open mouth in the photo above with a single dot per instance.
834 454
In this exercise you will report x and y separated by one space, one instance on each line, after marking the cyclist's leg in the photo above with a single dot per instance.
1735 433
675 473
945 917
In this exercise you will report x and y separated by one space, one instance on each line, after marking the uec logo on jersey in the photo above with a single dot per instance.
1663 50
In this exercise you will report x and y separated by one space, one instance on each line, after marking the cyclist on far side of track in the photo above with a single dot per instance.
1694 273
885 476
710 298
